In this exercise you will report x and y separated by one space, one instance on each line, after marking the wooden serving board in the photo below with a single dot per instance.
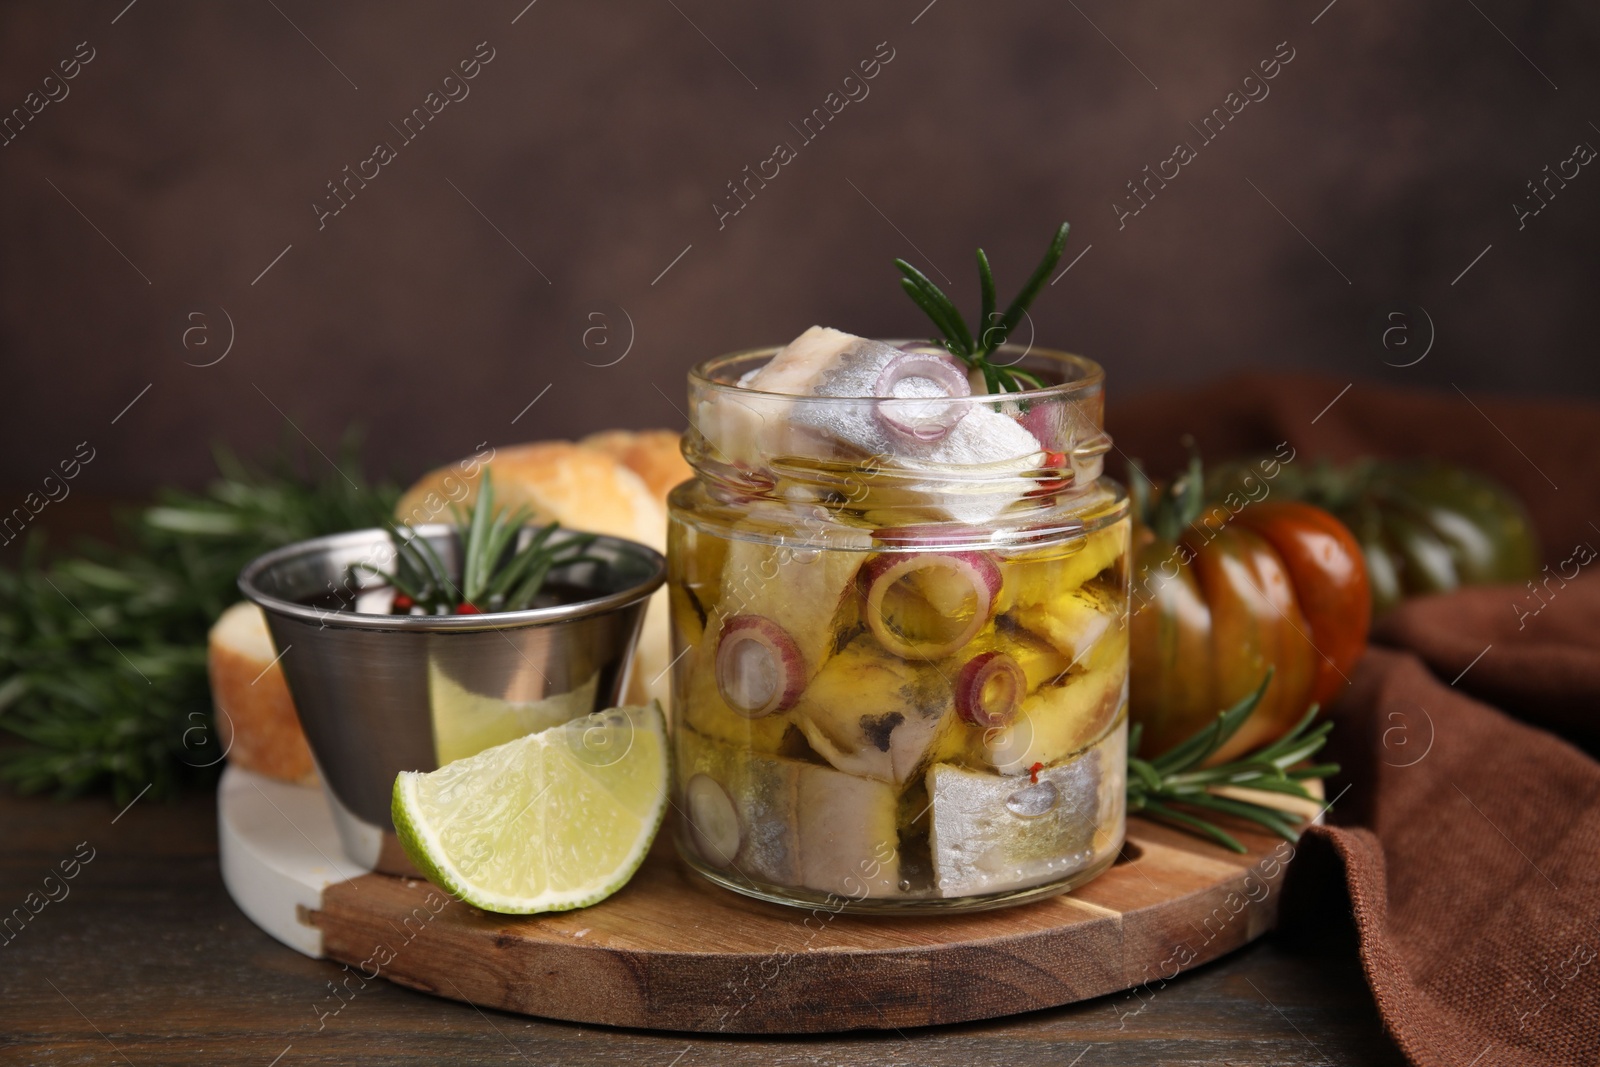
671 951
676 952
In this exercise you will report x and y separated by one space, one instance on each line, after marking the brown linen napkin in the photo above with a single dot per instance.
1533 653
1469 841
1471 851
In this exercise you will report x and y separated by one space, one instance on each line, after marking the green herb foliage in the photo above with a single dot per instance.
993 327
1175 780
491 580
103 655
1171 509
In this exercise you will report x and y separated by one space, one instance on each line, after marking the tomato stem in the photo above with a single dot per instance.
1171 509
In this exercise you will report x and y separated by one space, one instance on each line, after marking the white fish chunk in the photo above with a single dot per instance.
976 466
802 582
763 791
990 834
799 824
1072 622
849 844
871 713
1057 721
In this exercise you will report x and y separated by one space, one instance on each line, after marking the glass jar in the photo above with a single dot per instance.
901 657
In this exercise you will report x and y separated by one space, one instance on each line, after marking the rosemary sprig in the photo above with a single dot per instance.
103 653
994 327
490 580
1175 780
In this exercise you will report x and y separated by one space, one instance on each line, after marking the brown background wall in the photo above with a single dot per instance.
457 286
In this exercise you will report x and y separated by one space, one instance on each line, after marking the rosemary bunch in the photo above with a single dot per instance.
103 654
994 326
490 580
1176 780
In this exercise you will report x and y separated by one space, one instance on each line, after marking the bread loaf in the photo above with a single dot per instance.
256 721
583 488
654 455
657 457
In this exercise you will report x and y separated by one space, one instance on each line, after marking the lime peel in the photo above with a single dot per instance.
551 821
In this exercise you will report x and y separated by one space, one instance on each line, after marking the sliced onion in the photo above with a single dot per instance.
989 690
1043 420
760 669
969 573
925 418
928 348
713 819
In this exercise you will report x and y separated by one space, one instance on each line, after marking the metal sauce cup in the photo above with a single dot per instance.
378 694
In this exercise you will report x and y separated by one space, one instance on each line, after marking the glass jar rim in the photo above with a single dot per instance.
1040 447
1089 375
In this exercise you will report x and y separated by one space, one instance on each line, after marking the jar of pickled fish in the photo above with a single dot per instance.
899 610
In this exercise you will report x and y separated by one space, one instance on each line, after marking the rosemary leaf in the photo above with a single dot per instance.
1052 256
1177 780
936 315
514 571
936 295
1316 770
1268 817
389 578
1200 826
523 596
1025 377
483 513
1203 744
1271 751
986 296
1145 773
993 329
441 590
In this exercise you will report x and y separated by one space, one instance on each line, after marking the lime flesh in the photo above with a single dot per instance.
551 821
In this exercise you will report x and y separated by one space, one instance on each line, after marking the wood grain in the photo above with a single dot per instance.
149 955
672 952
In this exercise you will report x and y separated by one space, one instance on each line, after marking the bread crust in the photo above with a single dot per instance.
584 488
255 715
654 455
657 457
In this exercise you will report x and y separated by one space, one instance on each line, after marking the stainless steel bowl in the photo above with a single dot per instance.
378 693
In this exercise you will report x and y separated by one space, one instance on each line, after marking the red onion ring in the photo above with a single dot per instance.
982 702
880 573
760 669
932 418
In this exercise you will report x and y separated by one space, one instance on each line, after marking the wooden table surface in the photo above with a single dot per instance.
146 960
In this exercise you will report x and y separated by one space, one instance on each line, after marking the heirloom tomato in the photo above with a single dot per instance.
1424 526
1224 592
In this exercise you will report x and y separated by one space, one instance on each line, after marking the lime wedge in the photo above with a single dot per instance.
555 820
